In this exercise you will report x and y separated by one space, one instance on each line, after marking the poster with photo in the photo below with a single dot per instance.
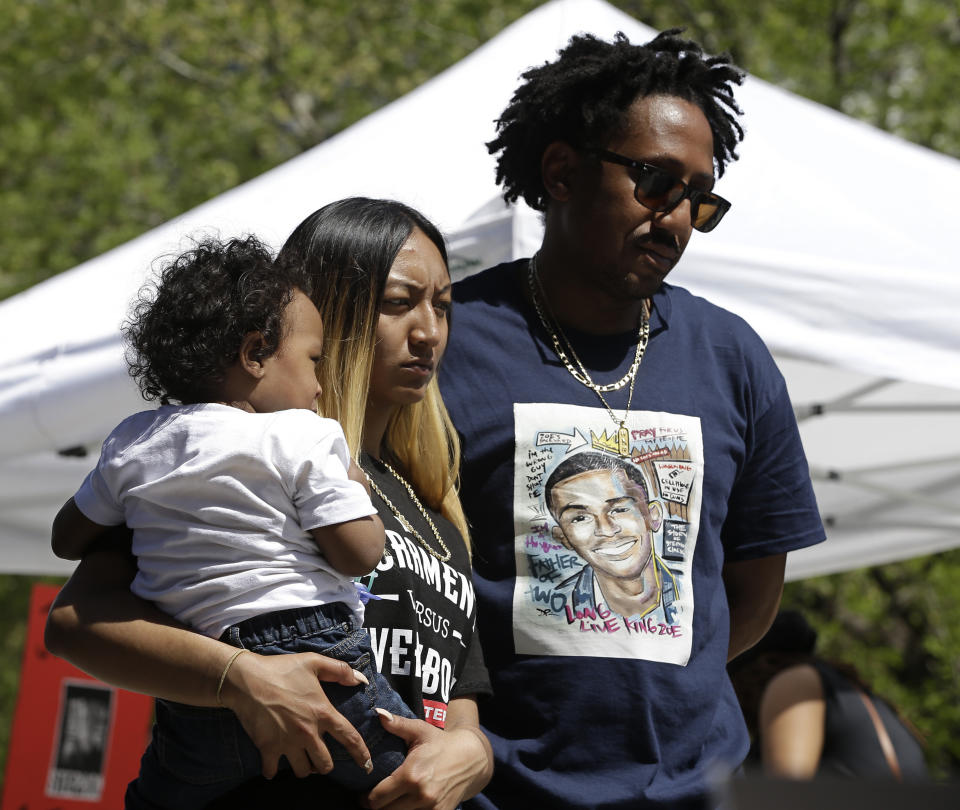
83 736
75 742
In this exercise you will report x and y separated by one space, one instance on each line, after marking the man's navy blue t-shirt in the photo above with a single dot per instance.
619 700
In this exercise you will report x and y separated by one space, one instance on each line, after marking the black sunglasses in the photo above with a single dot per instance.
661 191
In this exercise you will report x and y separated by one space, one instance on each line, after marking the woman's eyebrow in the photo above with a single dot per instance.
415 285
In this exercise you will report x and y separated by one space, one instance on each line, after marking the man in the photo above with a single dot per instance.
604 515
586 345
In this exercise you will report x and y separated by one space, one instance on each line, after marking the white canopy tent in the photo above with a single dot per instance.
839 250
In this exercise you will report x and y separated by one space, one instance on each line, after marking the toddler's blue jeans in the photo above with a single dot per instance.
198 754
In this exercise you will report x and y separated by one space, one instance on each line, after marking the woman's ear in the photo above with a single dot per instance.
558 168
251 353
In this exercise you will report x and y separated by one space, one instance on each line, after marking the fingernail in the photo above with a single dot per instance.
368 766
384 713
361 677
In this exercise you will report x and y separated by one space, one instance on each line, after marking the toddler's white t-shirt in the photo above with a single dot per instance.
220 502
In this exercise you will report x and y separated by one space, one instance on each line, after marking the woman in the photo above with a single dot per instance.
383 290
810 717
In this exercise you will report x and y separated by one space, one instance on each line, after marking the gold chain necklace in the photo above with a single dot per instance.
583 376
443 557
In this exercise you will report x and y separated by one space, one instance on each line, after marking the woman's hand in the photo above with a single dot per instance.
100 626
442 768
281 705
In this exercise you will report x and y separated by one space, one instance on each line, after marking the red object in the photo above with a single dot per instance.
75 742
434 712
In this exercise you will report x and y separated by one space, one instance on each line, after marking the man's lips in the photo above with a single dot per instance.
662 256
616 550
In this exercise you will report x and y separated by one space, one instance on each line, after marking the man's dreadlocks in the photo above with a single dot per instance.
583 97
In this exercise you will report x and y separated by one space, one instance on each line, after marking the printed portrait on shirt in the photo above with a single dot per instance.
605 519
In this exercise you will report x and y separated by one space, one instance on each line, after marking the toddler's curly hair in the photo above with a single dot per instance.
186 328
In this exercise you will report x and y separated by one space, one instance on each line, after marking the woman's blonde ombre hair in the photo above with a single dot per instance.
347 248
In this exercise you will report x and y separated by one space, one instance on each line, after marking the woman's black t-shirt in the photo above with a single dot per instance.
422 611
421 618
850 744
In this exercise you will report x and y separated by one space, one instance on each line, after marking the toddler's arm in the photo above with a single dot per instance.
354 473
73 532
354 547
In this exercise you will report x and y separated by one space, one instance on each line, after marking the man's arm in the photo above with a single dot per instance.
754 588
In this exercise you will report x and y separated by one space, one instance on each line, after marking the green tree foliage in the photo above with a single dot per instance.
116 115
891 63
120 115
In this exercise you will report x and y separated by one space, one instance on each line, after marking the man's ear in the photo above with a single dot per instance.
560 537
654 515
558 167
251 354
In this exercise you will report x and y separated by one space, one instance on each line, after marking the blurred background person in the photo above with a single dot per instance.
809 717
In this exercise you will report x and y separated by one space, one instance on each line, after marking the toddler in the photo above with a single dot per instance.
249 516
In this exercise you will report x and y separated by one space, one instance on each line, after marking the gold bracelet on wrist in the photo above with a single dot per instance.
223 675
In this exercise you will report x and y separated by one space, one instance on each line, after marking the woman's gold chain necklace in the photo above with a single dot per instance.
552 326
445 555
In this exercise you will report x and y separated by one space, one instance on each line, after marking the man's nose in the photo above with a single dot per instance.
678 220
607 526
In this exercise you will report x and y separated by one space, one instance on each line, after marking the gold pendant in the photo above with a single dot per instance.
623 440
